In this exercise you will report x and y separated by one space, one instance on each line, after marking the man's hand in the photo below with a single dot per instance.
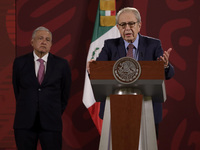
165 57
88 65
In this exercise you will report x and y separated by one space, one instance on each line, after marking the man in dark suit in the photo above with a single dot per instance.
40 102
145 49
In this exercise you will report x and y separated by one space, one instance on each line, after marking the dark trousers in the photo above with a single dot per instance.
27 139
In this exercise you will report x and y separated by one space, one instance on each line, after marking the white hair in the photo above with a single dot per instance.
40 29
129 9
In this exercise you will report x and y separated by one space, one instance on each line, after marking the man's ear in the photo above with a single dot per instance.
140 25
31 42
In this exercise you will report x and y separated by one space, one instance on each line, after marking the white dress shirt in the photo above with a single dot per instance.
37 63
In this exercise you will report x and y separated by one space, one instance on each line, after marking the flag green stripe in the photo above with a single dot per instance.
102 12
98 30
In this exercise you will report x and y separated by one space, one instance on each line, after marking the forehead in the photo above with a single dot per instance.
43 33
127 16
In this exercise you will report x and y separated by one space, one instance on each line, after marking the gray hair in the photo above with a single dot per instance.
129 9
39 29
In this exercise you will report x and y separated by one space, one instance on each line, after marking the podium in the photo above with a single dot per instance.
128 122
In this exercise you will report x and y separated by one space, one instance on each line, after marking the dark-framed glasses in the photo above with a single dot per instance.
131 24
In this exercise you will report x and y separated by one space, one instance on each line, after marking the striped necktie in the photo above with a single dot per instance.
131 51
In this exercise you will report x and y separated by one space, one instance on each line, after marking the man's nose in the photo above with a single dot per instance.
44 41
127 27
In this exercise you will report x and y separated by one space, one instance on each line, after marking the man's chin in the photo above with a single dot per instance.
43 50
130 40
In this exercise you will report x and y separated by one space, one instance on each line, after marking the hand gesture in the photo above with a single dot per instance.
165 57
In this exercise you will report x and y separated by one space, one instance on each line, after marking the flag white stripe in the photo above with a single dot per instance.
88 96
107 13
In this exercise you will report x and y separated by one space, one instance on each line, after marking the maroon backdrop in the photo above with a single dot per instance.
71 22
7 54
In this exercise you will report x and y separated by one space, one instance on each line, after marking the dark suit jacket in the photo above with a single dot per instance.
49 99
149 49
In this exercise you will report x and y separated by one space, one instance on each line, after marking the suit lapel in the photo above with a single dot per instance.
121 48
141 48
31 67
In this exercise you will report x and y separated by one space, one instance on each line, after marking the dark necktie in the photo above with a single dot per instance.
41 69
130 51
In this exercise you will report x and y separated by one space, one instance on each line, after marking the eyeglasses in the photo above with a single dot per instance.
130 24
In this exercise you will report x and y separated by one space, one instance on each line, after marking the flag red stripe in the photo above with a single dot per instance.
94 113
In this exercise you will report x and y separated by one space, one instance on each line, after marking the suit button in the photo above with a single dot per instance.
39 90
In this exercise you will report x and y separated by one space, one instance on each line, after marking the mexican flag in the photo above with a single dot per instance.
104 29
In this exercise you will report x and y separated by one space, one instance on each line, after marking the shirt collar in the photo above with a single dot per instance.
43 58
135 43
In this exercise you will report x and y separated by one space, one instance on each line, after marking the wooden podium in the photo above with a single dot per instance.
128 122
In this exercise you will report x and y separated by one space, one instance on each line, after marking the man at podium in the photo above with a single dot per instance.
141 48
